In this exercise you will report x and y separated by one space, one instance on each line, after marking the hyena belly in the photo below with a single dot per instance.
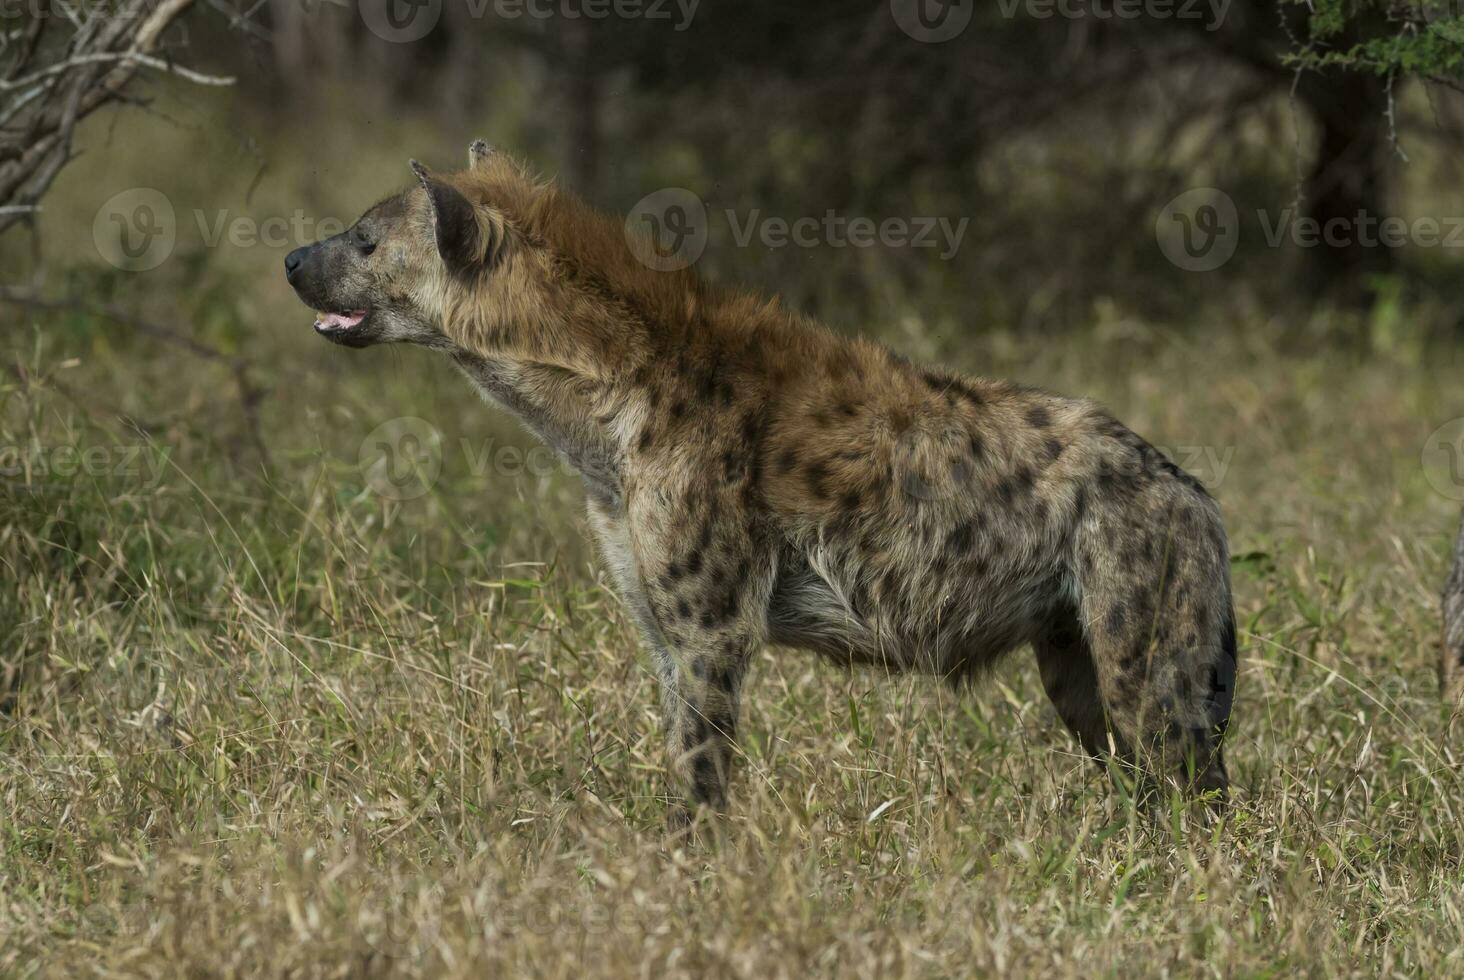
938 543
953 637
945 600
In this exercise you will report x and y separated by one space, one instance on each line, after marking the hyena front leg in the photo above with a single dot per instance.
708 593
700 603
702 705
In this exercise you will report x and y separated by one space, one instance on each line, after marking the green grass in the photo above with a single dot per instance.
262 721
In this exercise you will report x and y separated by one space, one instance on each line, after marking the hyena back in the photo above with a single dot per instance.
753 478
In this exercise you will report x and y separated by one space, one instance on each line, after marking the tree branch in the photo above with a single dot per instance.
50 84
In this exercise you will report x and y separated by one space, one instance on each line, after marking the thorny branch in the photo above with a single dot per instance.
60 66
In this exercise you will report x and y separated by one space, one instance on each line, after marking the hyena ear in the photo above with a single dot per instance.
469 239
478 153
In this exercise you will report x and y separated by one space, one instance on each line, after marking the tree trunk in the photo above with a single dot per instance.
1451 665
1350 170
1347 183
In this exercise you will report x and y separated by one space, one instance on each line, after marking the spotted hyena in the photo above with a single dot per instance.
754 478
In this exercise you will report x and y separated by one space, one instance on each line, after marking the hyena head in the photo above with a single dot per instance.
424 265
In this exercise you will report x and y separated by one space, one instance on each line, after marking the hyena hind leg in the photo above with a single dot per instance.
1160 628
1167 686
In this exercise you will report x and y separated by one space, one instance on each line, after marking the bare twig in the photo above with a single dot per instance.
118 315
107 57
250 393
1392 115
51 82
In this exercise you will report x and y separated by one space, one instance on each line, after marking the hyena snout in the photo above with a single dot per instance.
316 272
306 269
307 273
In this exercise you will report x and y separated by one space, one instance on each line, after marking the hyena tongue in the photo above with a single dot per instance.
338 321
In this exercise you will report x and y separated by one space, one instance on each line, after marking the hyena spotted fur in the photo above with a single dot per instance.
754 478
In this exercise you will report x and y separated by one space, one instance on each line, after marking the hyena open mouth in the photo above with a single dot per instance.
329 323
755 479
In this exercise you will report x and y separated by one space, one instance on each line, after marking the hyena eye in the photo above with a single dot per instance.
364 242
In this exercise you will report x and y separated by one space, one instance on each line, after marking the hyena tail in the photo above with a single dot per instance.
1156 622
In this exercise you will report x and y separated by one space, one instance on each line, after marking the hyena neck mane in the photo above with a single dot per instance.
584 343
573 292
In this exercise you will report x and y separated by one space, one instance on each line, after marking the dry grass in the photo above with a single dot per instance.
273 724
266 722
